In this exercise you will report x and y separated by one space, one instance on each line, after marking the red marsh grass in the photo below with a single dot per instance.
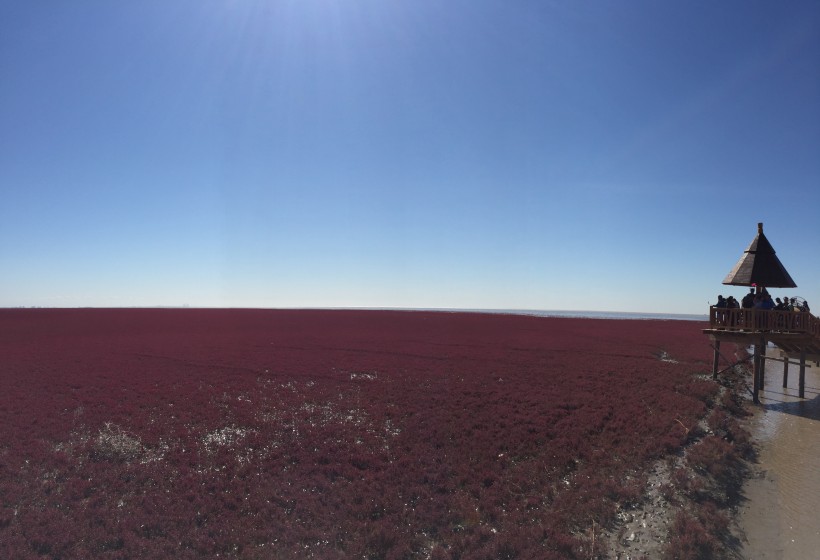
332 434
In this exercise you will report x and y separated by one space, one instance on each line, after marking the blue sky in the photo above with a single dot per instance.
463 154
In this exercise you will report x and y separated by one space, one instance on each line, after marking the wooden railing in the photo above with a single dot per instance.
734 319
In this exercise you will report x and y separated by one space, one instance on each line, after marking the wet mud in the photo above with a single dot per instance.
780 515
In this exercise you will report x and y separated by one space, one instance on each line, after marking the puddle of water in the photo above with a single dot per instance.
781 517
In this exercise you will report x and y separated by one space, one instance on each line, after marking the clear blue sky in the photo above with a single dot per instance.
461 153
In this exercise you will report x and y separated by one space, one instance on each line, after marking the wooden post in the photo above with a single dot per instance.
785 370
802 383
716 362
762 363
756 375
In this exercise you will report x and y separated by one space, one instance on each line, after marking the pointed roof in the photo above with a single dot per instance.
760 266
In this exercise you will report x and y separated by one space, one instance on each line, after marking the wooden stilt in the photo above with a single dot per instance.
785 371
802 383
716 361
756 375
762 363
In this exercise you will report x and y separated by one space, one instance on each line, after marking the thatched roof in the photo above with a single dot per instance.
760 266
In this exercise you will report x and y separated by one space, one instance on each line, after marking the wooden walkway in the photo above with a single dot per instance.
796 333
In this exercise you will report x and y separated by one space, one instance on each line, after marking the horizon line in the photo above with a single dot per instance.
489 310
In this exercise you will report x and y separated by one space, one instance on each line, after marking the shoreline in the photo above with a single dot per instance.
777 518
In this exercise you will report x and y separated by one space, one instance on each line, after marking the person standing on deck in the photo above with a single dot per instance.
748 300
721 304
766 302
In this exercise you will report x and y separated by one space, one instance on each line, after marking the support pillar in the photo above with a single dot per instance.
716 361
785 371
802 383
762 363
756 375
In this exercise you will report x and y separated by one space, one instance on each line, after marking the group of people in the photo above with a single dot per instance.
762 300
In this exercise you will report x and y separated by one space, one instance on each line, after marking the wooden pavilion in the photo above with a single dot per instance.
795 333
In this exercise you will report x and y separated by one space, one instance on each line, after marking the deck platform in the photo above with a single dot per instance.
795 333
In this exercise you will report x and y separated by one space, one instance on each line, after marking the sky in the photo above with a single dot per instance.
490 154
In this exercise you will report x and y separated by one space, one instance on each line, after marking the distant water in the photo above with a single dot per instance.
561 313
601 314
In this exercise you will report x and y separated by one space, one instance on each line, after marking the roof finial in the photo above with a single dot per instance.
759 227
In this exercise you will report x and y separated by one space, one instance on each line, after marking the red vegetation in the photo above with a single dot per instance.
708 480
332 434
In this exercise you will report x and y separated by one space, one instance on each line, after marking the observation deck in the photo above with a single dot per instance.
796 333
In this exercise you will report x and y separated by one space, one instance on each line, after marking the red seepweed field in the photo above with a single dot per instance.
187 433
